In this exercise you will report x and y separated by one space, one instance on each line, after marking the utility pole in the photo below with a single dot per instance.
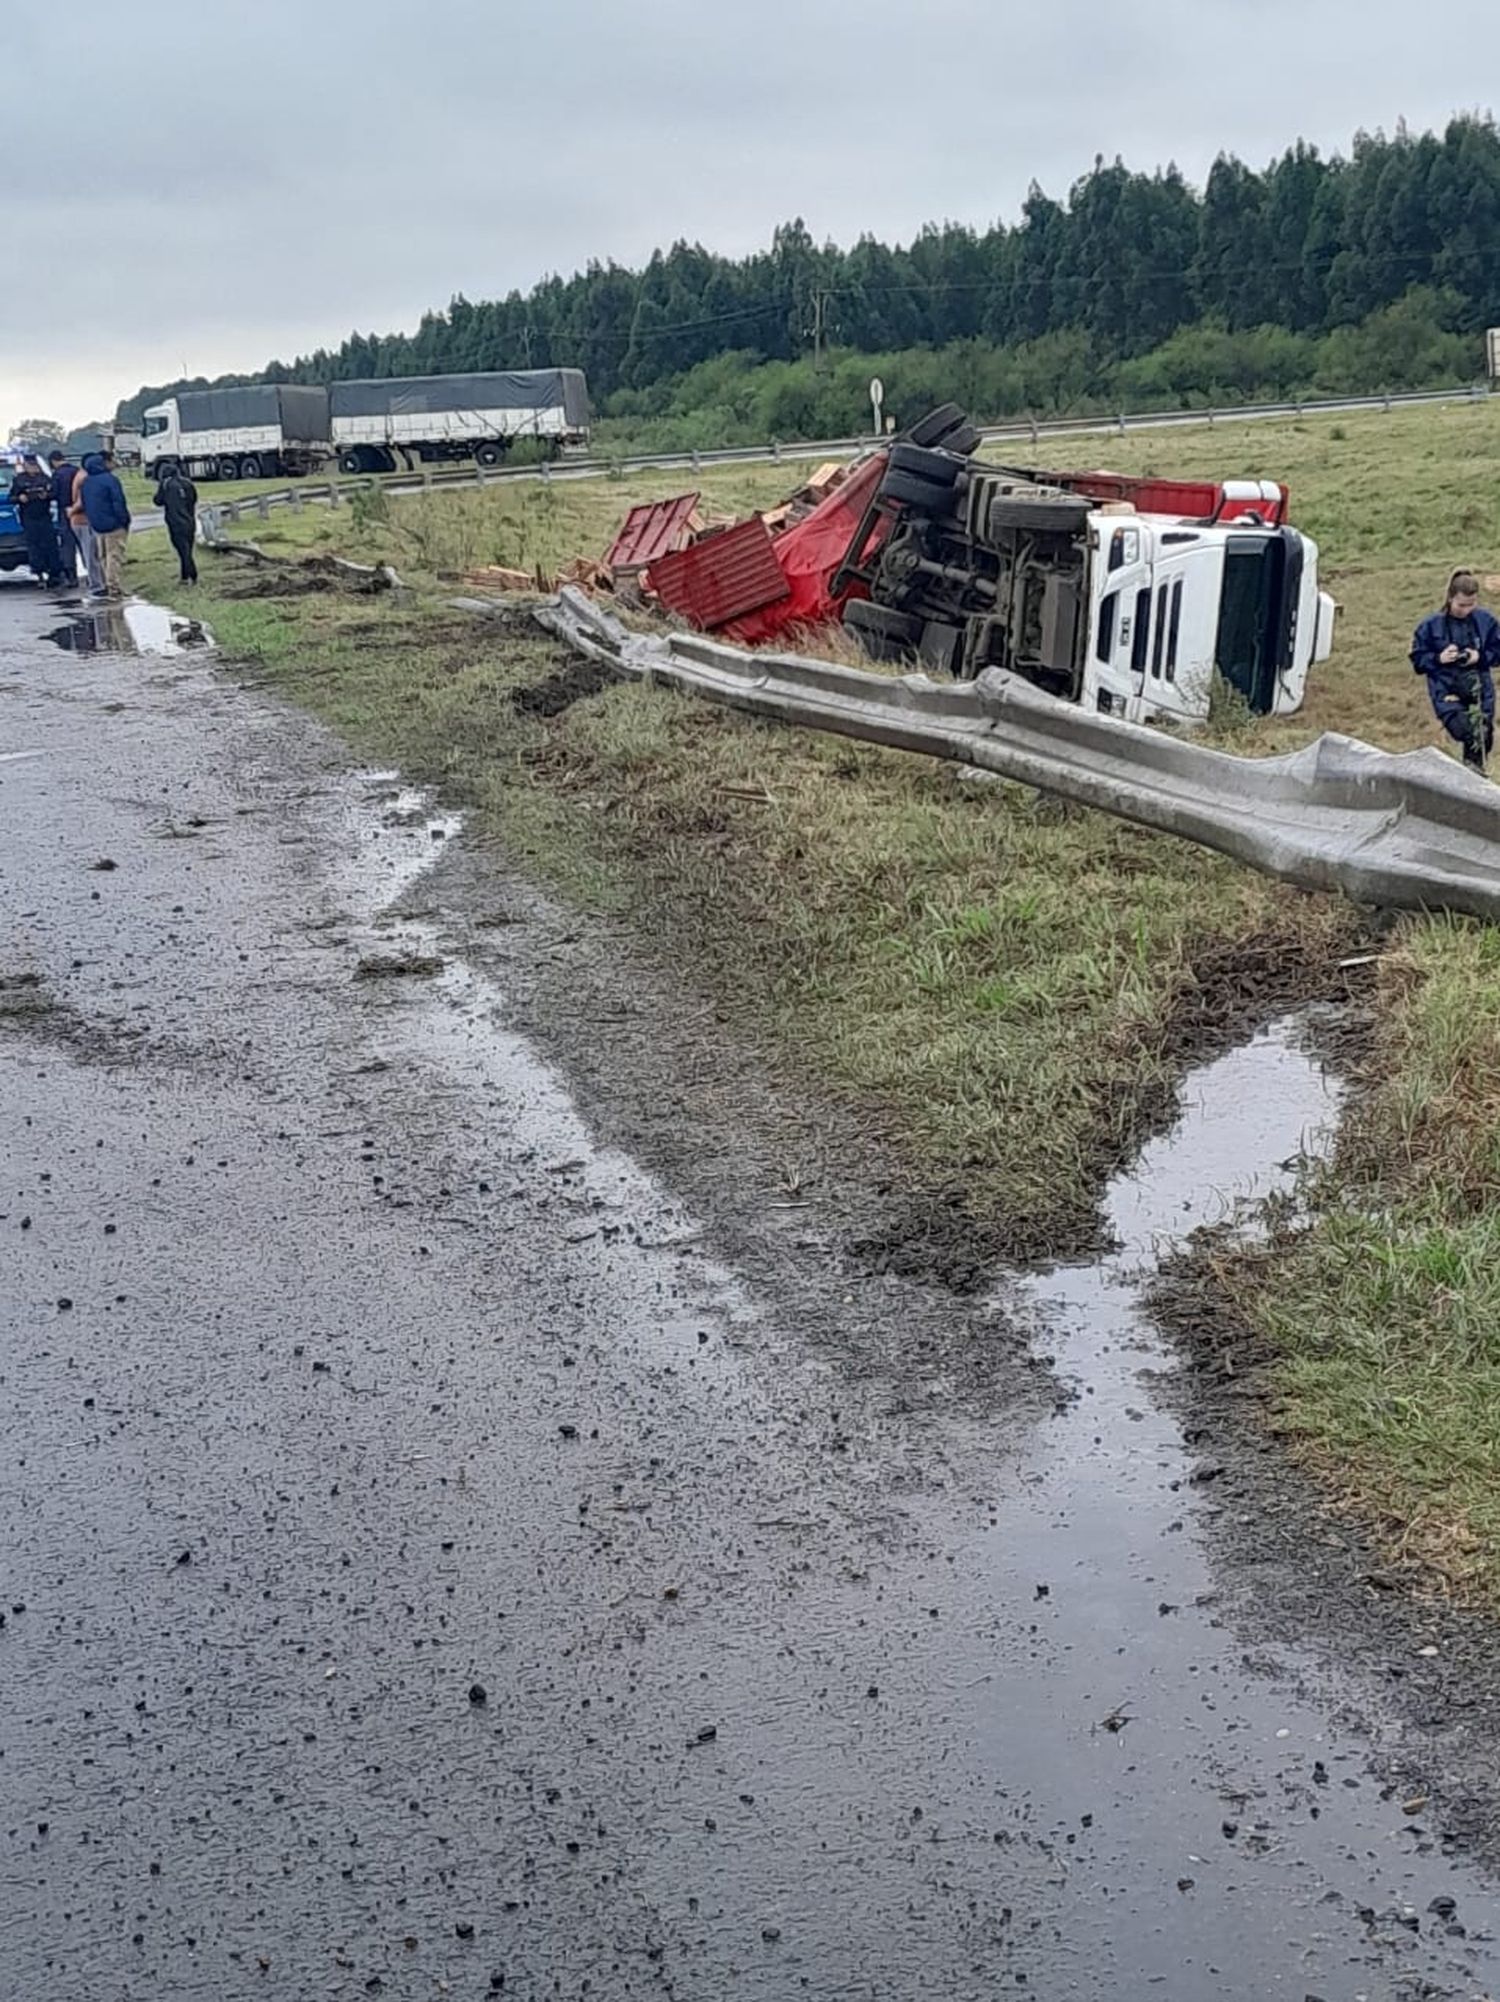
820 322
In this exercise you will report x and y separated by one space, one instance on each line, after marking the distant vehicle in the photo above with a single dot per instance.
1129 597
238 434
428 418
371 427
12 540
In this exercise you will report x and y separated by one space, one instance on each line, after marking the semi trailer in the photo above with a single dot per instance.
420 419
369 427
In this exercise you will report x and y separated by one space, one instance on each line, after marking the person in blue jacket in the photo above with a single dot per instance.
109 517
1458 649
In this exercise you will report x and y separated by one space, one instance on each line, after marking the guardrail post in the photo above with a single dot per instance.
335 494
295 497
546 472
1388 399
1210 417
263 506
1122 423
775 448
1035 434
231 510
697 461
478 474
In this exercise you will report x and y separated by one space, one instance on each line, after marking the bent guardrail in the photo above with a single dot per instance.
1412 830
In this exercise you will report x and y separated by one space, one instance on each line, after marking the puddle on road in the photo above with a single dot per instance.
132 627
391 837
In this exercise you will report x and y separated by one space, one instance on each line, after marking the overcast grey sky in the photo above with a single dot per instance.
200 185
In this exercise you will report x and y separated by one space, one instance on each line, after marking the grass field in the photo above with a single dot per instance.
1002 988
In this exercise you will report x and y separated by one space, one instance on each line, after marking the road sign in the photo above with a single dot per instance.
877 398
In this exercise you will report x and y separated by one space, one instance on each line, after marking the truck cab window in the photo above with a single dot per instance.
1140 644
1104 646
155 426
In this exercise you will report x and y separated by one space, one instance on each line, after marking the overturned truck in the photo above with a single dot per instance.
1130 597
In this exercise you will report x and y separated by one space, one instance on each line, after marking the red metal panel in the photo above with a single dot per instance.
722 577
651 529
1186 500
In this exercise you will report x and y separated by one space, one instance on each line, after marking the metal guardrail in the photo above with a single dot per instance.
1410 830
1030 429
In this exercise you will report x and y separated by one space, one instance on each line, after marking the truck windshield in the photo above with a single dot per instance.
1258 614
155 426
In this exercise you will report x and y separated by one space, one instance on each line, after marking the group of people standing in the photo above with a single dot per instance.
72 515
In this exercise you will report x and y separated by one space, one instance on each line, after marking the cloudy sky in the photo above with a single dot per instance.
200 185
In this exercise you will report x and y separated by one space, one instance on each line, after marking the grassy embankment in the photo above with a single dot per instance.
1003 988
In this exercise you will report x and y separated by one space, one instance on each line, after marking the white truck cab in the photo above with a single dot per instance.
1080 584
1172 605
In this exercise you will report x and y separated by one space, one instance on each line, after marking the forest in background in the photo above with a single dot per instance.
1374 271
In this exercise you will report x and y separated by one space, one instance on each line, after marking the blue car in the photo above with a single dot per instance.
12 541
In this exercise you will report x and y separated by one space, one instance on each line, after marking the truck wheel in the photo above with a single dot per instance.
883 633
250 467
1060 514
935 426
227 468
964 442
925 463
918 495
488 455
351 462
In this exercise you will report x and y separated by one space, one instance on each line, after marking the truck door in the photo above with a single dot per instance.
1176 652
1119 638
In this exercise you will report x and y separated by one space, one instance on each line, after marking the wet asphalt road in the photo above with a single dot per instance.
427 1571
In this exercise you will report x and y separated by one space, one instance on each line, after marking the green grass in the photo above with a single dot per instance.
996 986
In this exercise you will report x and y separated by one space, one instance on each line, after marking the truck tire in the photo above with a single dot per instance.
918 495
964 442
883 633
935 426
250 466
227 468
488 454
352 460
925 463
1059 514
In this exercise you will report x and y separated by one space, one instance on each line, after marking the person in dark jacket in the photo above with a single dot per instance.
177 498
63 472
31 495
1458 650
109 517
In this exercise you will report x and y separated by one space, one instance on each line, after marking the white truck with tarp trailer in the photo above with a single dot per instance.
261 428
376 426
381 424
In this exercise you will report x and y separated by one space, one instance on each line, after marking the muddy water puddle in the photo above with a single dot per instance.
131 627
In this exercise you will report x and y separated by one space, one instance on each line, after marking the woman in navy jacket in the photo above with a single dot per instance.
1458 650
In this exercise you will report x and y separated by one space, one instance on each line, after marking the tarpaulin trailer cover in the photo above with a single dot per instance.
500 389
301 409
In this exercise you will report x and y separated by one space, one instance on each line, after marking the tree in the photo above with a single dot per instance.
39 431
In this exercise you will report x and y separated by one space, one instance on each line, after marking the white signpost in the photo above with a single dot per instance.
1492 346
877 398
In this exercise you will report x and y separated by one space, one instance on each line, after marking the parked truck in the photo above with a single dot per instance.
433 418
238 434
1070 582
371 427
